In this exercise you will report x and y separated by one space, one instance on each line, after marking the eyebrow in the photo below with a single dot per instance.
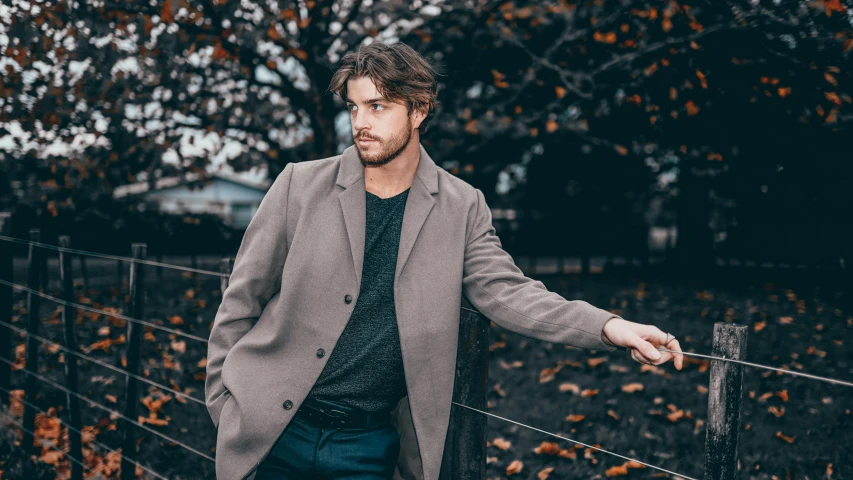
370 100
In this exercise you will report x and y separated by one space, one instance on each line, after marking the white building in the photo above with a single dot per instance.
233 198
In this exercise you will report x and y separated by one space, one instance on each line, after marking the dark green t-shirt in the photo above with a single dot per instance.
365 369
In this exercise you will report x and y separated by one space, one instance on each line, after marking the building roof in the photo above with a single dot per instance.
188 178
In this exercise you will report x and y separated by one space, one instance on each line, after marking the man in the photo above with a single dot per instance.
333 352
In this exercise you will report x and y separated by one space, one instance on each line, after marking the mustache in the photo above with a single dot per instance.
365 137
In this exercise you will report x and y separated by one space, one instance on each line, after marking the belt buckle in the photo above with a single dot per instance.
329 413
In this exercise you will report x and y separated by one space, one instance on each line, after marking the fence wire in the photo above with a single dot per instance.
21 426
87 308
575 441
114 257
108 409
152 472
226 275
103 364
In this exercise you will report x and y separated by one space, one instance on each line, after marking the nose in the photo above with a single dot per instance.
359 121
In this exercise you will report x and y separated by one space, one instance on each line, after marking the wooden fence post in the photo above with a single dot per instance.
724 402
69 315
134 344
225 265
34 270
465 447
159 268
7 268
84 271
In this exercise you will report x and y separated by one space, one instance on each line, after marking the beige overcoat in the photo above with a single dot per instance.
296 280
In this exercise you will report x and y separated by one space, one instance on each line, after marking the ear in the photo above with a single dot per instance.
418 116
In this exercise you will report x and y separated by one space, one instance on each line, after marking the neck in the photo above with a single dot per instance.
395 176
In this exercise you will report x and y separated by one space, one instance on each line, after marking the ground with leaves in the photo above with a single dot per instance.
791 426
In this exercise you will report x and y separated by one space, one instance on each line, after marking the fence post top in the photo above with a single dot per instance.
729 326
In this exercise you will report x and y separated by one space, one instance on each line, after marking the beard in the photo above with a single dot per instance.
387 150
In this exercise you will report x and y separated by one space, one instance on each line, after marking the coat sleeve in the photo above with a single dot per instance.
499 290
255 277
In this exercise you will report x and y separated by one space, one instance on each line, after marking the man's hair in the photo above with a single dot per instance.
399 72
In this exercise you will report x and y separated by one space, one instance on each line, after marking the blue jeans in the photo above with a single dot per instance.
306 451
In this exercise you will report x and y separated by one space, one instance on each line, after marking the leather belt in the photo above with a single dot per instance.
327 414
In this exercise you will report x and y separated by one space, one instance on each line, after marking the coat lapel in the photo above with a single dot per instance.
353 204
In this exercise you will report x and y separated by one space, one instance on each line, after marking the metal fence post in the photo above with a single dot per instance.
7 258
465 447
36 257
134 344
724 402
72 402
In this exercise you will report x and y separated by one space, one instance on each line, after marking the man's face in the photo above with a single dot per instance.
387 125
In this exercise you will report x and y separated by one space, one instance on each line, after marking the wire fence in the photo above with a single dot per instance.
130 459
70 427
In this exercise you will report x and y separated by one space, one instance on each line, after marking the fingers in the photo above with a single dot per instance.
656 335
679 357
638 360
648 350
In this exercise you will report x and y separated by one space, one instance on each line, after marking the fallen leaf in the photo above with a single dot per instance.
548 374
632 387
547 448
593 362
569 387
543 474
502 444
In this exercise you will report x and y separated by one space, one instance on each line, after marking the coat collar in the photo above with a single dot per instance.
351 169
353 204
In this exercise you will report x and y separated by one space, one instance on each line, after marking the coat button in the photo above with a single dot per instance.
321 353
288 404
348 298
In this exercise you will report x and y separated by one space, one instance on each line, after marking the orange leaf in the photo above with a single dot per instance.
543 474
502 444
166 12
779 412
702 80
594 362
574 418
565 387
547 448
471 128
551 126
632 387
616 471
787 439
609 37
514 467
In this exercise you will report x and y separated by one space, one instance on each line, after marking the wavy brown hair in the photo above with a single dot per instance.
400 74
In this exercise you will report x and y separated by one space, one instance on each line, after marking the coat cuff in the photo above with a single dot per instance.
600 324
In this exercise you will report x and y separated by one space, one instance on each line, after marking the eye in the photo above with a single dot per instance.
378 105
